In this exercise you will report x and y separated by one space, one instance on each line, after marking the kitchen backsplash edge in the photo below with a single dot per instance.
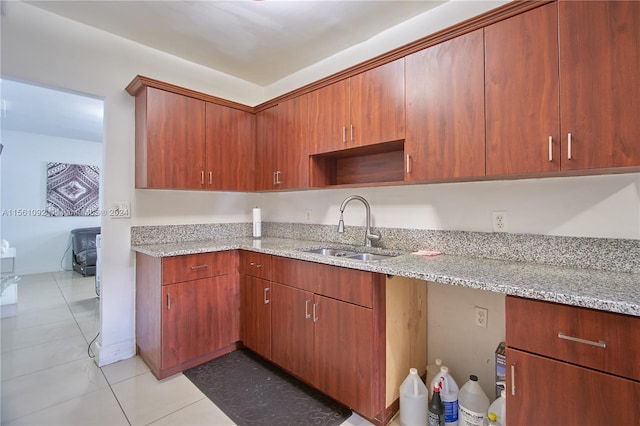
606 254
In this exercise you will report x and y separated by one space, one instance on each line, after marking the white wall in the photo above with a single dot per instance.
40 241
587 206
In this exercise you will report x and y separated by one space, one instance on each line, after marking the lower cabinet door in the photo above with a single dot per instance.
198 317
543 391
255 312
344 353
292 330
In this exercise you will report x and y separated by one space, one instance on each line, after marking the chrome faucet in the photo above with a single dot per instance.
368 236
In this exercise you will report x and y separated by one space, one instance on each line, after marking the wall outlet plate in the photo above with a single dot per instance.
482 317
499 222
120 210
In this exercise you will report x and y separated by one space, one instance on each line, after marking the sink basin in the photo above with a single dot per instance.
370 256
348 254
331 252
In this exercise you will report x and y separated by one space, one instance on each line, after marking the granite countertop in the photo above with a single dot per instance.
608 291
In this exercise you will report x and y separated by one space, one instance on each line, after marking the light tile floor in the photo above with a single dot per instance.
48 377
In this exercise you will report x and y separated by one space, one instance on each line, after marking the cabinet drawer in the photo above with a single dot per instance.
255 264
348 285
601 340
195 266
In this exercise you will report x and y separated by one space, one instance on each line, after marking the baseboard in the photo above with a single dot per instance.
106 355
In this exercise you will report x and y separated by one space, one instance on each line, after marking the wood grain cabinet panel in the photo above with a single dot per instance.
255 314
170 140
522 84
551 392
560 360
600 88
282 160
445 110
365 109
230 136
190 321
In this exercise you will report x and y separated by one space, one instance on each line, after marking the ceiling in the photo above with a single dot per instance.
257 41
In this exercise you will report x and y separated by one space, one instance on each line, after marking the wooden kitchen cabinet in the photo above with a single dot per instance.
170 140
365 109
600 89
445 110
187 309
331 328
561 91
185 142
255 302
230 136
282 160
571 366
293 331
522 83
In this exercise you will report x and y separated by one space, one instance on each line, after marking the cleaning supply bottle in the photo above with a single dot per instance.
413 400
436 409
448 395
499 409
473 403
432 370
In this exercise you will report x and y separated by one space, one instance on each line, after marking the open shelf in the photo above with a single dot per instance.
377 163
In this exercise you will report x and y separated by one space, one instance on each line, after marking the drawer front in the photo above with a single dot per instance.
602 340
195 266
256 264
348 285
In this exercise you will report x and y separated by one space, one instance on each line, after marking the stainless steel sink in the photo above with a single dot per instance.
370 256
331 252
348 254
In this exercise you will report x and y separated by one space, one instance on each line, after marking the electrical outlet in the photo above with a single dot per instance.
500 221
482 317
308 216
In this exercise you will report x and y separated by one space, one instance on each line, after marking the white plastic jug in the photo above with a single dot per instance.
499 408
473 403
448 395
432 370
413 400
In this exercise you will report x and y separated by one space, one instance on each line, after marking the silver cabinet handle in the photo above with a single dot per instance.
168 300
210 178
344 134
315 317
202 177
550 148
569 146
351 127
408 164
266 299
257 265
193 268
599 343
513 379
276 177
307 315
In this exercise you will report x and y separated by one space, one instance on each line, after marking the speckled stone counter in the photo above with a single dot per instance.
608 291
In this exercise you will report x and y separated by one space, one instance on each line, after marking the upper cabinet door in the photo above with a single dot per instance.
521 83
230 140
329 121
445 110
170 140
377 105
266 142
292 152
600 88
